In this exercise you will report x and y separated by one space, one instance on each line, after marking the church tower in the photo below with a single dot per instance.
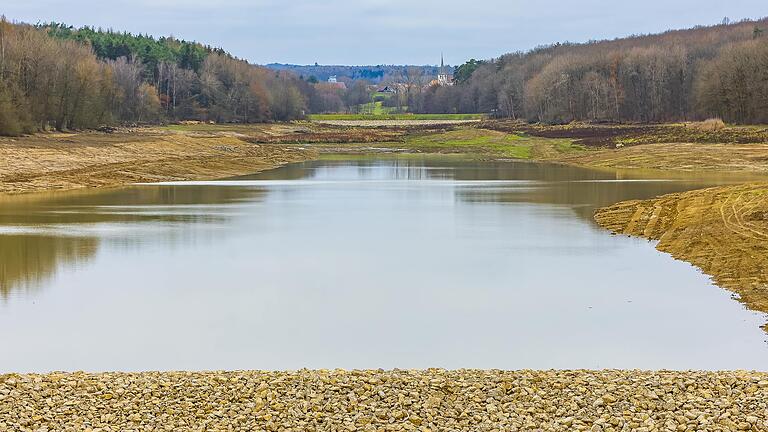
443 78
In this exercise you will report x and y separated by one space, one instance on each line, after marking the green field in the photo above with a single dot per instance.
396 117
376 108
492 143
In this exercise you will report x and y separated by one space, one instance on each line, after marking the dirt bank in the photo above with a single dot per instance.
69 161
613 135
678 157
432 400
723 231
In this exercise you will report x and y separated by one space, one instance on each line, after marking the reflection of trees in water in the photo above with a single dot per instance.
293 171
28 261
133 204
582 197
543 183
173 215
580 189
379 167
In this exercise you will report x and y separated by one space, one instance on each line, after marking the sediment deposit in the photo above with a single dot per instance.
92 159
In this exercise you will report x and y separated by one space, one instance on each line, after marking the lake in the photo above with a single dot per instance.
369 262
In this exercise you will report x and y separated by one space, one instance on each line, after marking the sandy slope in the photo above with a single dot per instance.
68 161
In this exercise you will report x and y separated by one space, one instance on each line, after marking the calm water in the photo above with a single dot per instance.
360 263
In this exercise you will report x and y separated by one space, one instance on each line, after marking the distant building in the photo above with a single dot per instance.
333 81
443 77
386 89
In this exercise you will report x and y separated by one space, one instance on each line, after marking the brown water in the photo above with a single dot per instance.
359 263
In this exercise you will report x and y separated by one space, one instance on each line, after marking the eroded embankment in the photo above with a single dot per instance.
431 400
722 230
70 161
678 157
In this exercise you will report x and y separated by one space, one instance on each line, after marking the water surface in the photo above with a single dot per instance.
359 263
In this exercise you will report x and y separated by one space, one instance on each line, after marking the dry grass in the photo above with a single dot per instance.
709 125
625 135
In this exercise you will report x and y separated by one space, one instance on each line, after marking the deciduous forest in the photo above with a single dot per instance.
678 75
56 77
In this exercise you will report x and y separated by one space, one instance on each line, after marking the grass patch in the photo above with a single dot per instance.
492 143
376 109
390 116
567 146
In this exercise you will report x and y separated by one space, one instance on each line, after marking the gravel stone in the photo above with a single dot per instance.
377 400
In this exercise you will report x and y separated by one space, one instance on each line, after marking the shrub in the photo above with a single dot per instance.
709 125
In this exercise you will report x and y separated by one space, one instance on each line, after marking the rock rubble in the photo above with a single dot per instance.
376 400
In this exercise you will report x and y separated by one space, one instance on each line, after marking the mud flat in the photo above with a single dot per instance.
679 157
723 231
399 400
91 159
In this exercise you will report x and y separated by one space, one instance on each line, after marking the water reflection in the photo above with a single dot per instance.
44 232
40 233
27 261
583 190
359 263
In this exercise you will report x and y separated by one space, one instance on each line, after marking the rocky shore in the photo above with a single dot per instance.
375 400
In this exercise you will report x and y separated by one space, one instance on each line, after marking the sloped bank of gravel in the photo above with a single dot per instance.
426 400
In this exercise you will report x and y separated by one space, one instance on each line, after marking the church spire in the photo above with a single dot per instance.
443 77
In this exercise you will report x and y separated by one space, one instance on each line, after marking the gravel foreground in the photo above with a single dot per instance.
423 400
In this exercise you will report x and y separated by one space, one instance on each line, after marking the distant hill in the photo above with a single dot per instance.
374 74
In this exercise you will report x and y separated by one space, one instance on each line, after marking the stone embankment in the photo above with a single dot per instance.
427 400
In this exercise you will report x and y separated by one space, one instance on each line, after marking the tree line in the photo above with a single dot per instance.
716 71
58 77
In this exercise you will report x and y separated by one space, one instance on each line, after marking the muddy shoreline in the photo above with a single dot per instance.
96 160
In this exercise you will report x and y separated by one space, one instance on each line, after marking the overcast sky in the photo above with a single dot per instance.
382 31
